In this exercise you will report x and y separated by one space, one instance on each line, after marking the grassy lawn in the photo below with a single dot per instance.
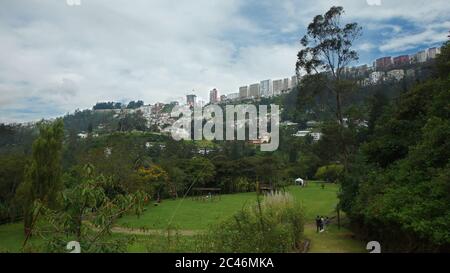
196 215
12 238
333 240
160 244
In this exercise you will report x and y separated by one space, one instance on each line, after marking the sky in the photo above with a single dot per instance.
56 57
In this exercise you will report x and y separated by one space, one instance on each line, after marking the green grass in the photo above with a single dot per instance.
333 240
12 238
189 214
160 244
198 215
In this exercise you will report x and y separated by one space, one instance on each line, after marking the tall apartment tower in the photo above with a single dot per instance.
266 88
277 87
254 91
191 100
401 60
294 82
286 84
213 96
383 63
433 52
243 92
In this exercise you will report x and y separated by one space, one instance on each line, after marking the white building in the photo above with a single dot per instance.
266 88
233 96
277 87
420 57
314 135
83 135
433 52
396 74
302 133
286 85
376 77
294 82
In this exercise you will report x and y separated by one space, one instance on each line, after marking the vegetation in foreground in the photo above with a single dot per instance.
313 199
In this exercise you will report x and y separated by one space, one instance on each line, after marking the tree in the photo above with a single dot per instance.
133 121
87 215
135 104
155 179
43 174
199 170
443 61
398 189
377 104
12 167
330 173
328 49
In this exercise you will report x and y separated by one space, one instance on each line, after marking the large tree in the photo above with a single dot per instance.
327 50
43 174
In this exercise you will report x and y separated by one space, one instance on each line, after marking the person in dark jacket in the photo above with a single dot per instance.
318 222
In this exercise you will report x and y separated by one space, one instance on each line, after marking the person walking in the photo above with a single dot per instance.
317 223
322 224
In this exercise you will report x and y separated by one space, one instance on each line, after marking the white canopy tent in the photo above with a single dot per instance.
300 182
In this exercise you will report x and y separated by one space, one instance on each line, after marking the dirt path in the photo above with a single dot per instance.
186 232
133 231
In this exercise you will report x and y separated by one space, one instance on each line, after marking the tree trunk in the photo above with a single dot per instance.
342 128
339 218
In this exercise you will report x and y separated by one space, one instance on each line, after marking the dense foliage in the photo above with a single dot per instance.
273 225
398 188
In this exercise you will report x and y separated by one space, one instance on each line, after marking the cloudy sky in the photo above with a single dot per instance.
55 58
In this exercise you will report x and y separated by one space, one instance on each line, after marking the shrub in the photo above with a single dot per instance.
273 225
330 173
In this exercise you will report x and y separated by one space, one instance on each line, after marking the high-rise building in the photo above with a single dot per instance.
254 91
286 84
191 100
277 87
266 88
213 96
294 82
243 92
383 63
420 57
433 52
401 60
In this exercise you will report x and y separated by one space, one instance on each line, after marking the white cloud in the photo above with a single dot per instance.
71 57
431 35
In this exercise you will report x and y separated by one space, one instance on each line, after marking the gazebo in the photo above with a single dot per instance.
205 194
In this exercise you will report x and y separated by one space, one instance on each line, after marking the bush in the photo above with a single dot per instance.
330 173
273 225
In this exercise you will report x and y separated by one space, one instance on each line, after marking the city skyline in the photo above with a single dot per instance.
57 58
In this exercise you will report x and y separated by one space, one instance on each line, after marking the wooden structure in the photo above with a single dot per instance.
206 194
264 188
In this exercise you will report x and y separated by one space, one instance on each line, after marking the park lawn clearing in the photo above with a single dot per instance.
189 217
191 214
333 240
12 238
